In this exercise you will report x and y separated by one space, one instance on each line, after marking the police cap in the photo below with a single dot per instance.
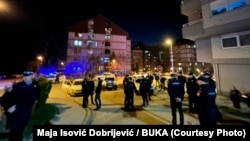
28 73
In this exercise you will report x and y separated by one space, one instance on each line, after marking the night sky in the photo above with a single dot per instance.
31 25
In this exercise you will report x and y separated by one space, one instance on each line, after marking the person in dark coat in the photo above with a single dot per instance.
91 88
176 94
183 80
19 102
125 82
235 96
162 83
144 89
57 78
151 90
208 111
98 94
85 92
192 88
130 90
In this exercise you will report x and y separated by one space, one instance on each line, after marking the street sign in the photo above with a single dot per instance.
159 68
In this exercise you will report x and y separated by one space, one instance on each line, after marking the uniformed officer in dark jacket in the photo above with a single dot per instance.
192 88
19 102
208 112
130 90
176 94
183 80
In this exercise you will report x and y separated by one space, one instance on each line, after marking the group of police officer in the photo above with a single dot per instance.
145 90
201 95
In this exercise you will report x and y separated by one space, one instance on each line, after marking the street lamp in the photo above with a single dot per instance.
40 58
169 42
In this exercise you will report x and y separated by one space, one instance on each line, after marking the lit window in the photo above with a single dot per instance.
92 43
107 37
220 6
234 4
77 43
79 34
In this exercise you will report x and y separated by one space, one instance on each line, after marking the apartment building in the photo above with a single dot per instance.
221 30
99 45
137 59
185 60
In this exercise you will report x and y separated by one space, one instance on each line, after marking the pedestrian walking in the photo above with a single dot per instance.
98 90
19 103
176 96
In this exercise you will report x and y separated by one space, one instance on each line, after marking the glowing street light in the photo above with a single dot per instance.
4 7
40 58
169 42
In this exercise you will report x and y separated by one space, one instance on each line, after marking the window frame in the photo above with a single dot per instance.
237 36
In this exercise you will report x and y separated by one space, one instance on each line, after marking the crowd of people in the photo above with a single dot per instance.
19 100
201 95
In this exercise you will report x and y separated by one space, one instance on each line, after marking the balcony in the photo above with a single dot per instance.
189 6
193 29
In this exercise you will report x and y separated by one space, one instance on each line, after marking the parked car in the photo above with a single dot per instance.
53 78
73 87
138 77
104 75
109 83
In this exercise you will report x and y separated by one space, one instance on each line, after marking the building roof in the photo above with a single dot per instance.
99 26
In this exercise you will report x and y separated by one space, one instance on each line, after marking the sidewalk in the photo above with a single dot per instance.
70 112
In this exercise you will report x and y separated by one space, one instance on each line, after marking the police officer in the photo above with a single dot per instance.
176 94
183 80
130 90
192 88
208 112
19 102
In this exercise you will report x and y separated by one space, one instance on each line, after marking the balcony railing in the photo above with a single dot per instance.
192 23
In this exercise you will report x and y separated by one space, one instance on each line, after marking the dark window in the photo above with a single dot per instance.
244 40
107 51
229 42
107 44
